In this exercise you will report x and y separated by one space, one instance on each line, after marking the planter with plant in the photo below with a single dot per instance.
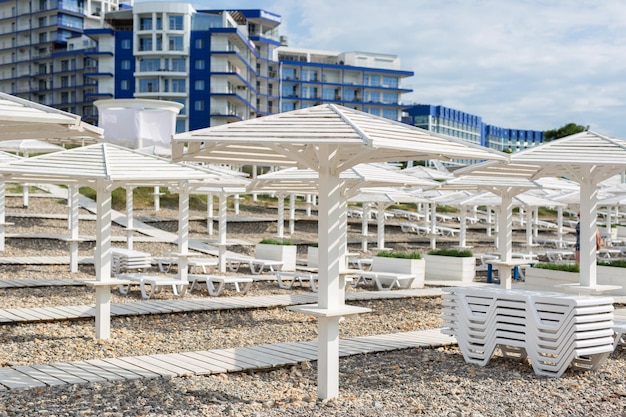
401 263
547 276
312 255
277 250
450 265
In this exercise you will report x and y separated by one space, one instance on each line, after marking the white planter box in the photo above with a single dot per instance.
450 268
312 257
547 280
415 267
284 253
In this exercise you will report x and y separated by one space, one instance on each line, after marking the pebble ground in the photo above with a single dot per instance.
428 382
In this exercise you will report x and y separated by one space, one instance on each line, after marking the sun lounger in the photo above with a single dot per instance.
256 265
123 259
165 263
156 283
215 283
286 280
384 280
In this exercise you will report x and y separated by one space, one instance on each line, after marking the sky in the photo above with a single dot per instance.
523 64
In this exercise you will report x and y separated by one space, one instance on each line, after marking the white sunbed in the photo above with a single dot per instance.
165 263
286 280
384 280
215 283
156 283
256 265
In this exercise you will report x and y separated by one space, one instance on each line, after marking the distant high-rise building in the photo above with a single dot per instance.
471 128
223 66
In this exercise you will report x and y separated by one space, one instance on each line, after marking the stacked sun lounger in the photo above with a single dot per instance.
127 259
555 331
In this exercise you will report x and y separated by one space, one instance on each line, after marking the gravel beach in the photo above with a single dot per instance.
428 382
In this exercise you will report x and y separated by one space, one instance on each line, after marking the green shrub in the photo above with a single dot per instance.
270 241
618 263
457 253
402 255
558 267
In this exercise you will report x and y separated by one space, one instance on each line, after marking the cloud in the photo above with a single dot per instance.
530 64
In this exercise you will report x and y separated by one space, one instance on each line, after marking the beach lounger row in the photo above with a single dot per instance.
555 331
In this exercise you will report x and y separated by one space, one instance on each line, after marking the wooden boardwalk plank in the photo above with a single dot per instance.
215 365
13 379
91 368
59 374
72 369
41 376
203 367
182 362
161 366
126 366
241 356
206 362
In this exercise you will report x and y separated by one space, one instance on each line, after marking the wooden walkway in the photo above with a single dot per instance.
56 313
257 357
206 362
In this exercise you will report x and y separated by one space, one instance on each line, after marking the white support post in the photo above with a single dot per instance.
505 237
364 226
463 227
292 214
254 175
529 229
129 217
280 226
74 226
102 260
209 214
433 226
236 199
559 226
380 225
536 222
330 251
489 221
222 207
183 229
157 198
3 194
308 205
588 216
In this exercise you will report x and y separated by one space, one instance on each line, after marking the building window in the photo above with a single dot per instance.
150 64
178 86
390 114
199 85
200 64
178 65
149 85
125 44
145 44
176 22
145 23
125 85
176 43
125 64
199 43
198 105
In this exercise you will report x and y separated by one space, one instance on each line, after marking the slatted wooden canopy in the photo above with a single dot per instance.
24 119
327 139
